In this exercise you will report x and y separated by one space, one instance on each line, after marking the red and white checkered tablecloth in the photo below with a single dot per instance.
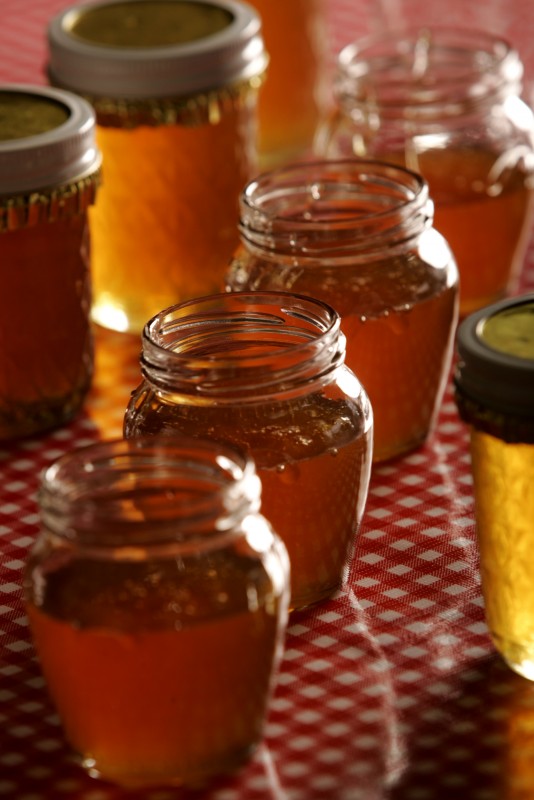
389 691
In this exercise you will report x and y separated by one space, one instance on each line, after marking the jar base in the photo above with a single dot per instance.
193 779
519 657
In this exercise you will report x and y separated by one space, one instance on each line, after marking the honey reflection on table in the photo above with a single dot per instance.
117 373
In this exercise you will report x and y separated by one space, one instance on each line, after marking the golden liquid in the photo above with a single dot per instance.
398 317
485 215
46 353
312 456
165 222
295 93
503 477
160 671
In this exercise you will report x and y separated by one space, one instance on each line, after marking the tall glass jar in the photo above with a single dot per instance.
358 234
157 598
49 173
266 371
446 103
494 382
296 94
174 84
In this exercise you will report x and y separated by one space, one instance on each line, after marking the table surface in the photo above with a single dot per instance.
391 689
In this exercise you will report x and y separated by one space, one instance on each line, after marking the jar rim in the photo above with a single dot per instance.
149 492
339 204
422 71
245 345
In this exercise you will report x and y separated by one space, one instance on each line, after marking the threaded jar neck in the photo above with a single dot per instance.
146 494
425 75
333 209
243 347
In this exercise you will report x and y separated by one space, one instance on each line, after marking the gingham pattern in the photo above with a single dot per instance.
390 690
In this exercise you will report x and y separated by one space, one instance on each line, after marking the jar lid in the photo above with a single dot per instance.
47 138
155 48
496 356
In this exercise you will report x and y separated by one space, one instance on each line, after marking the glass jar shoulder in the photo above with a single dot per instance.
367 284
276 430
160 591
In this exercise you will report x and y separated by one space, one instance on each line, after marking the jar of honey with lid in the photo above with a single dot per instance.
174 84
447 104
265 371
358 234
494 384
157 597
296 93
49 173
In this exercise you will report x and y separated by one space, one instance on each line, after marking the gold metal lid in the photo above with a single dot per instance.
140 49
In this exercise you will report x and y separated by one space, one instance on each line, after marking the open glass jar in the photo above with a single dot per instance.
266 371
358 234
174 84
49 174
157 597
446 103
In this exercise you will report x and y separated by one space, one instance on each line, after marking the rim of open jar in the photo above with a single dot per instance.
426 73
335 208
149 493
246 347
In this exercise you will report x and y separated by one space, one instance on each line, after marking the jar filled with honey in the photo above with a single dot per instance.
446 103
296 94
358 235
49 172
174 84
494 383
157 597
265 371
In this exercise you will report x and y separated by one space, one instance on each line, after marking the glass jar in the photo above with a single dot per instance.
49 172
266 371
495 395
174 85
157 598
446 103
358 235
296 94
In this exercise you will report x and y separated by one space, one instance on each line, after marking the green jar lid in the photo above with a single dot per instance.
496 357
155 48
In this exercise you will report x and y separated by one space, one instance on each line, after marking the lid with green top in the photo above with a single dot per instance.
155 48
496 357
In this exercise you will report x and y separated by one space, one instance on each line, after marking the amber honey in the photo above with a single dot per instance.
447 104
345 232
155 677
295 93
178 185
49 172
157 598
484 211
236 377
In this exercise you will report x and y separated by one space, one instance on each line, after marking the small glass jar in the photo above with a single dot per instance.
446 103
266 371
49 173
358 235
174 84
495 395
296 94
157 598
